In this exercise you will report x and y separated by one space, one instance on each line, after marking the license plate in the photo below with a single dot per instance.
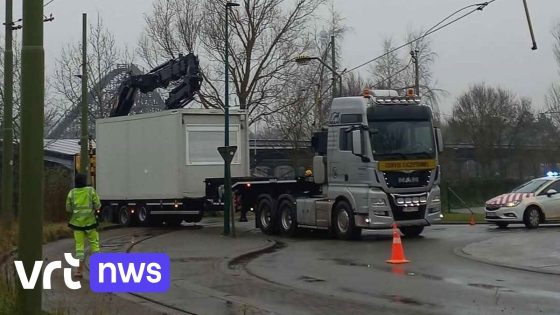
410 209
491 215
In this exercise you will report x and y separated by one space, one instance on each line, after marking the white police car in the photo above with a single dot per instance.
532 203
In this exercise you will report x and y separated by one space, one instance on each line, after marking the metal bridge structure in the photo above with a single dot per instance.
108 87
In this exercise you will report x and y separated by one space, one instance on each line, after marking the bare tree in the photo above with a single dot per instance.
266 35
556 47
389 71
17 80
354 84
426 59
489 117
552 99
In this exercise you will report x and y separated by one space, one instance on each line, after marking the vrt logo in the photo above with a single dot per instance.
109 272
29 283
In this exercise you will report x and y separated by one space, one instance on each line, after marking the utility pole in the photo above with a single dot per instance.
30 240
84 139
8 134
414 54
333 70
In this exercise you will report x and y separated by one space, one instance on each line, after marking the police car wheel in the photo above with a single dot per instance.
532 218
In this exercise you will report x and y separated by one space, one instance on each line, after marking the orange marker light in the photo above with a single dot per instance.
410 92
366 93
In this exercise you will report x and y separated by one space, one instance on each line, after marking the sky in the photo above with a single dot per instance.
491 46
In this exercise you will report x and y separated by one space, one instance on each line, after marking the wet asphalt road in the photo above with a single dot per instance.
316 274
437 281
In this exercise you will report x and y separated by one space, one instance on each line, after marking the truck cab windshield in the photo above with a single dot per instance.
407 139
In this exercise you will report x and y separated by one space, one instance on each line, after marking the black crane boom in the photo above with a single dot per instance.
184 69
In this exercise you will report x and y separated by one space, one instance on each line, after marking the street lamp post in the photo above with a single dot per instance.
306 59
84 157
227 162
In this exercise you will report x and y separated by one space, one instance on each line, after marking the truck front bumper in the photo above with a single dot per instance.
364 221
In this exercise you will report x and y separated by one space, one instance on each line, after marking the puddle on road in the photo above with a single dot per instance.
393 298
193 259
310 279
396 269
404 300
485 286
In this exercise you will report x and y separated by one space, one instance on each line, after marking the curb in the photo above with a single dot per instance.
461 253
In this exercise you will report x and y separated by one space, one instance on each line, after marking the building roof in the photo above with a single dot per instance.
63 146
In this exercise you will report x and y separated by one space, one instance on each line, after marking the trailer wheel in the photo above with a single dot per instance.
288 217
266 214
106 214
124 218
343 222
143 214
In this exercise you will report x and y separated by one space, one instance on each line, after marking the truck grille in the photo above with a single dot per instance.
400 215
407 180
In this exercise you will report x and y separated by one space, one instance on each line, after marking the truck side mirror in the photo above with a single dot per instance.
439 139
357 142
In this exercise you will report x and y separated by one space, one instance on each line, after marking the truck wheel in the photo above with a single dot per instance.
143 214
532 218
124 218
106 214
343 222
411 231
266 215
288 217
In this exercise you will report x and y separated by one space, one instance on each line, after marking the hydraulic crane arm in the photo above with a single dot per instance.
184 69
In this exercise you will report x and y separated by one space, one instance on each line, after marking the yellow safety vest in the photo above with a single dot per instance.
82 202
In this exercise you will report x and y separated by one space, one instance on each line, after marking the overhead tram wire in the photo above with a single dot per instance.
433 29
396 73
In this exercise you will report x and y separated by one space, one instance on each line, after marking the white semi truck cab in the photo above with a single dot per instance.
376 164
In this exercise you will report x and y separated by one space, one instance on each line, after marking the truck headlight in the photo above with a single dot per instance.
378 202
512 203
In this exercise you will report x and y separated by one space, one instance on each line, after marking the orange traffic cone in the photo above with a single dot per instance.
397 252
471 221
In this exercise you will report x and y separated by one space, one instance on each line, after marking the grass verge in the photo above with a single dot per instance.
462 218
